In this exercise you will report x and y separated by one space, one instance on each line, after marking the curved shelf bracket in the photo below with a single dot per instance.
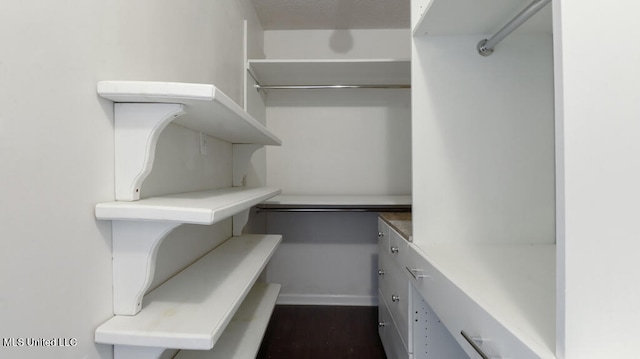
136 352
241 156
137 129
239 221
135 249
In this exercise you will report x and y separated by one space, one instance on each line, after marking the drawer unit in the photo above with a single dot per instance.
460 314
388 331
394 288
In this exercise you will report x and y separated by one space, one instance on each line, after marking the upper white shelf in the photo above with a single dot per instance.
269 72
515 284
192 309
206 207
207 109
473 17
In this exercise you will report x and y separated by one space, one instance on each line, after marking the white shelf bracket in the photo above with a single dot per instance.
135 249
239 221
241 156
137 129
135 352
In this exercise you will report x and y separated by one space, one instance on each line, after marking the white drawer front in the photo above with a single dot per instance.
460 313
395 243
394 288
383 235
393 346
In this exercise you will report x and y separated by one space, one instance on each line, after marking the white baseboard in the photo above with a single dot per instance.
327 299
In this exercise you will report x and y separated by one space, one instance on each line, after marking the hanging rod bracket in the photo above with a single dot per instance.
485 47
482 48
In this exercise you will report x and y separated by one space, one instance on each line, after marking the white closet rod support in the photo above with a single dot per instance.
318 87
486 46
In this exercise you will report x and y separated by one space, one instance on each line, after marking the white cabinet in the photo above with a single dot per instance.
493 299
484 191
215 297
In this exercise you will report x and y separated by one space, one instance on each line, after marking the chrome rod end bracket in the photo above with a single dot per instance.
482 49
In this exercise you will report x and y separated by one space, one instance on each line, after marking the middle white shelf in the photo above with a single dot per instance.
139 228
205 207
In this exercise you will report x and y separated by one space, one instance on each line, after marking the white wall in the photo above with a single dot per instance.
325 258
340 141
56 149
598 108
483 135
338 44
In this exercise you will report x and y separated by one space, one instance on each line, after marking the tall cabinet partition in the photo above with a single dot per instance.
484 175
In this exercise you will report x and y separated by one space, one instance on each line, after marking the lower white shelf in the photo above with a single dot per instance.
243 336
513 284
192 309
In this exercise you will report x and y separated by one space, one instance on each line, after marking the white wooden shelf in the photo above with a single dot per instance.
515 284
139 228
143 109
331 72
192 309
207 109
472 17
206 207
243 336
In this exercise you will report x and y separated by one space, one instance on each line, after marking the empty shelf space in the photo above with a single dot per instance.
192 309
515 284
470 17
270 72
205 207
207 109
242 337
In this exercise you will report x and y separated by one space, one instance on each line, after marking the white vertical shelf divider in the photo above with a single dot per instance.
192 309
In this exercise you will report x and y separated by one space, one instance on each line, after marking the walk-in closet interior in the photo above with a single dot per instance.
400 179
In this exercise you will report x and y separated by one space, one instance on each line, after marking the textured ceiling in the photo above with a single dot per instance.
333 14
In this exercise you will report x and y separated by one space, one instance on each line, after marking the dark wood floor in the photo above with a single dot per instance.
322 332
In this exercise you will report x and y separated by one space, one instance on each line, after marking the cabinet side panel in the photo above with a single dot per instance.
483 141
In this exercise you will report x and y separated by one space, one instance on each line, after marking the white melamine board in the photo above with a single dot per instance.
206 207
192 309
483 141
465 17
208 109
332 72
301 200
242 337
515 284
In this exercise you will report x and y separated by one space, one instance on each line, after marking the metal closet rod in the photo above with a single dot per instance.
486 46
318 87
